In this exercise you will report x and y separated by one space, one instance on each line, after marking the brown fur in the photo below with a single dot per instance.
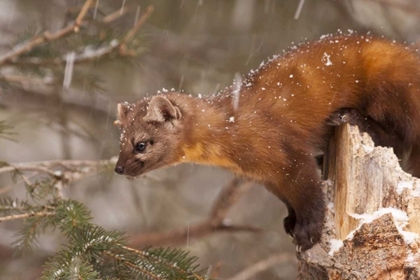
281 120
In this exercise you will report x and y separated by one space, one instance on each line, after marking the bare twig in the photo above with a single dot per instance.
180 236
117 14
130 34
78 59
82 13
23 167
68 164
225 200
262 265
227 197
31 100
24 79
96 54
108 18
65 170
25 216
39 40
5 189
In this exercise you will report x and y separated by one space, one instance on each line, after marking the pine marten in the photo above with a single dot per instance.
270 125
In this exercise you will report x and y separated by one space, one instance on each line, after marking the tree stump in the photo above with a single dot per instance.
372 224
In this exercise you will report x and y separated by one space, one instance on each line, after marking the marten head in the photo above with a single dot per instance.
151 132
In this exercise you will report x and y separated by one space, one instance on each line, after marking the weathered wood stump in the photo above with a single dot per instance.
373 218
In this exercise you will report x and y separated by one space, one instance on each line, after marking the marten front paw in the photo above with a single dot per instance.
306 235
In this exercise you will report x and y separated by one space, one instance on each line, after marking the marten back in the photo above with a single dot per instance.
379 78
270 125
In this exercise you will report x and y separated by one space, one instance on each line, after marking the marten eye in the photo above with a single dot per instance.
140 147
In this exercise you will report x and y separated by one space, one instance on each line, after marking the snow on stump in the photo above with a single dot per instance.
372 221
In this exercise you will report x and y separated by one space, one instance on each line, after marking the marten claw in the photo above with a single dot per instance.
307 235
337 118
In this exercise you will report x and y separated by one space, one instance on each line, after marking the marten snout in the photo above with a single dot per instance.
119 169
129 167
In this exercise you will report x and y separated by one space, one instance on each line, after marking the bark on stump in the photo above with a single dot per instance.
372 221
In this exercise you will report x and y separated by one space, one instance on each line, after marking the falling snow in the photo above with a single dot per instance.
236 91
68 72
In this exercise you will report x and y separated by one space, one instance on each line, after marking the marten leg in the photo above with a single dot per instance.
307 200
300 187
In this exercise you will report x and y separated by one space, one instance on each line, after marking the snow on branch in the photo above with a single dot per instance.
120 48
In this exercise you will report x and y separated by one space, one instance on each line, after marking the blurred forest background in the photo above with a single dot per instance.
194 45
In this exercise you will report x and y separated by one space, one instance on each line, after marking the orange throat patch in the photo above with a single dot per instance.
210 155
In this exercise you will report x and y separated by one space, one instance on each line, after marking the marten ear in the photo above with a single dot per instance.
122 111
160 109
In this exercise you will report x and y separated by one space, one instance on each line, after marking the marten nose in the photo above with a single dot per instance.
119 169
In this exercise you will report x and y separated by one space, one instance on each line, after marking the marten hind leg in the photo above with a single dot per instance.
411 161
366 124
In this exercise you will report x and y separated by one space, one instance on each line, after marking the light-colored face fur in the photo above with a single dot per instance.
151 132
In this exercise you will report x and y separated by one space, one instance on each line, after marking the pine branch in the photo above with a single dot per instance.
66 265
89 244
64 170
117 14
41 190
160 256
39 40
64 214
145 273
9 206
58 172
92 252
71 214
26 216
120 48
92 244
130 34
26 167
30 230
